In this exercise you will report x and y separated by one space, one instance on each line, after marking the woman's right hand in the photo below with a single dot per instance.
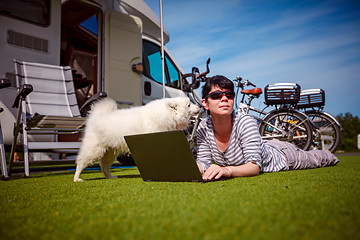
216 172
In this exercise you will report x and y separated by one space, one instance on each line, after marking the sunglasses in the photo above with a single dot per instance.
218 95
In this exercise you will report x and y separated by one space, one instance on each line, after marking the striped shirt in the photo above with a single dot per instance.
245 145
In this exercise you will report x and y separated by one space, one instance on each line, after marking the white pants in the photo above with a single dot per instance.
300 159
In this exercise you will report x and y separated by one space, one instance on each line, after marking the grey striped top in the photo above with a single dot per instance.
245 146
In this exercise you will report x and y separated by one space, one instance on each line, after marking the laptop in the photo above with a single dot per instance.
164 156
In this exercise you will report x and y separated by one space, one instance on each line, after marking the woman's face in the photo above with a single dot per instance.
222 106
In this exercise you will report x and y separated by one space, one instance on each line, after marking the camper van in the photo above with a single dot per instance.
111 45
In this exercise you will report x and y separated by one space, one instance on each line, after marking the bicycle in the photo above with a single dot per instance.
282 123
326 129
196 79
312 102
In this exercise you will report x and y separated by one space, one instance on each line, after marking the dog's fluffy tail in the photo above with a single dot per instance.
103 106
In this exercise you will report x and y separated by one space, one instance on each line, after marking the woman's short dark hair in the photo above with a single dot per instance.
216 81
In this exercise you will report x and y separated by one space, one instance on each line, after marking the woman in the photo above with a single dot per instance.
229 144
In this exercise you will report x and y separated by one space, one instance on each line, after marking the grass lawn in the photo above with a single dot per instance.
308 204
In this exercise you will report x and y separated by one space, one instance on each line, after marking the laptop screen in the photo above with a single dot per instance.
164 156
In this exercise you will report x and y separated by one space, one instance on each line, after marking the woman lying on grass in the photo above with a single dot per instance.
229 144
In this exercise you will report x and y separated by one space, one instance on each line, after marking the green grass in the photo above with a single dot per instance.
309 204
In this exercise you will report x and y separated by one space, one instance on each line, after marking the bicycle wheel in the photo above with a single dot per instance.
287 125
330 131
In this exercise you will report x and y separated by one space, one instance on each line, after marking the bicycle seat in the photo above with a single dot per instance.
255 91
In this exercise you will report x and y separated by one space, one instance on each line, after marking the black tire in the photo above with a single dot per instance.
287 125
330 132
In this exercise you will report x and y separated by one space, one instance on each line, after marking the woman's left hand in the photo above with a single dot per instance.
215 171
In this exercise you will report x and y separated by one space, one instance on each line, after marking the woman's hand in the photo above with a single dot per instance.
216 172
247 170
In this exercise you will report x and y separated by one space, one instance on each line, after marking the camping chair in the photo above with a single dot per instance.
47 106
4 174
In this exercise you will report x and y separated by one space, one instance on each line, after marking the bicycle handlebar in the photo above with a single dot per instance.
242 83
196 77
251 84
203 75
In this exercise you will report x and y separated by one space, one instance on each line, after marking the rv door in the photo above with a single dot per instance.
123 48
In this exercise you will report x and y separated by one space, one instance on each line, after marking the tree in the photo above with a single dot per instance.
351 129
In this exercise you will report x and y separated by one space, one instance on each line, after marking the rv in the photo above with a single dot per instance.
111 45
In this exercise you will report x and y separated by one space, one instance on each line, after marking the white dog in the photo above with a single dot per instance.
107 125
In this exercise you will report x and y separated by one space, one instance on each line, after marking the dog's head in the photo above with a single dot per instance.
183 109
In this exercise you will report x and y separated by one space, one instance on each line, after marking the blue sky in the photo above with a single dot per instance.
313 43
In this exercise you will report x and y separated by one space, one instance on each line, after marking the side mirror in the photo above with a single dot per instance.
139 68
186 87
194 77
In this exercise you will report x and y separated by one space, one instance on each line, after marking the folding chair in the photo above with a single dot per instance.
4 174
47 106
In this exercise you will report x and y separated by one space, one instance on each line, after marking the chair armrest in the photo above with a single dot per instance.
86 106
22 93
4 83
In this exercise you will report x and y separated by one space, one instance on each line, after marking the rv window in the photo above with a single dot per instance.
91 24
35 11
173 73
152 64
152 57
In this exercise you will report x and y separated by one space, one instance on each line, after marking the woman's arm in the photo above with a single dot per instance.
250 140
204 158
246 170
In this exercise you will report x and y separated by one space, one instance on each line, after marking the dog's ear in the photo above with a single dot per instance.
172 104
